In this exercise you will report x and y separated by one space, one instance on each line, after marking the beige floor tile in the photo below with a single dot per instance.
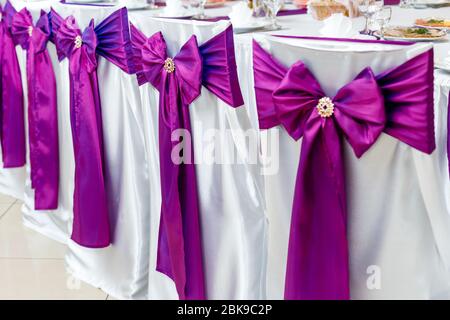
42 279
3 208
6 199
17 241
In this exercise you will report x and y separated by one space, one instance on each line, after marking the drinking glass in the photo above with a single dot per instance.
200 6
382 18
273 6
368 8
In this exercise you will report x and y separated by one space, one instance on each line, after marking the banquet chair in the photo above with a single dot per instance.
121 267
230 206
396 191
52 220
12 170
112 268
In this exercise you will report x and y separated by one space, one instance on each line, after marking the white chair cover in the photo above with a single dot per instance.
398 213
231 213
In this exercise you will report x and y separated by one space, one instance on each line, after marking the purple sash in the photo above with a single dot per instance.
42 108
179 82
399 102
11 101
109 39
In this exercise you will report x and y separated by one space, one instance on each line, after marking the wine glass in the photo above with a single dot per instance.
382 18
272 7
368 8
200 6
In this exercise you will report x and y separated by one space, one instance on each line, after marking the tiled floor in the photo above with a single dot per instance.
31 265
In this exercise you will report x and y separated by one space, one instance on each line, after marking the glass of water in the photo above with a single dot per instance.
200 6
272 8
368 8
382 18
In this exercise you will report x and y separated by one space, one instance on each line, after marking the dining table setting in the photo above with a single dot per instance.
314 138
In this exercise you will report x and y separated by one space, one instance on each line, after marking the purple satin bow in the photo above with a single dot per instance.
42 108
11 101
109 39
317 266
179 82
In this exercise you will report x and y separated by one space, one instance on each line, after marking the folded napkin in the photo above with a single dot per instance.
241 14
338 26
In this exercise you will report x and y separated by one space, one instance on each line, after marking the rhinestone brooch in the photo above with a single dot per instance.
78 42
169 65
325 107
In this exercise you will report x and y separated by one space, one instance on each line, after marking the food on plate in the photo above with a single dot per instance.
434 22
413 32
322 9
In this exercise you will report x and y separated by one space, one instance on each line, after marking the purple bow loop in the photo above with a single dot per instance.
71 42
187 68
22 28
409 100
317 266
114 43
219 68
8 14
25 32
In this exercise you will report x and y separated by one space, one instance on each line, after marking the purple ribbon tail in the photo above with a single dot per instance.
43 129
12 109
317 266
91 221
180 245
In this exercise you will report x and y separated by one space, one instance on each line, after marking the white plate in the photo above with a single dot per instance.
443 28
423 26
443 37
412 39
252 26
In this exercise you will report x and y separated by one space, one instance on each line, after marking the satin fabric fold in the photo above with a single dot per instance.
317 266
111 40
42 108
11 100
213 65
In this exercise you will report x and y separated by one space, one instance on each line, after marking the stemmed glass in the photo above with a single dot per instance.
382 18
200 5
273 6
368 8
